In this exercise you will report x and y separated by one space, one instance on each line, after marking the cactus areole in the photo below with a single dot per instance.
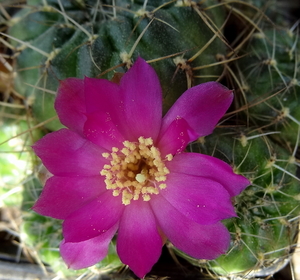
119 166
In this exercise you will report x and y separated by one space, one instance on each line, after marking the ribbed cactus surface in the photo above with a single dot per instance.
262 144
264 232
61 39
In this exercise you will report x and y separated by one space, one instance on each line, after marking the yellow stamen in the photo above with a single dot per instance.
135 171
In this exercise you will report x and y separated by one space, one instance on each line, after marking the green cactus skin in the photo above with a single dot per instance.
272 72
262 145
181 41
54 40
76 41
268 210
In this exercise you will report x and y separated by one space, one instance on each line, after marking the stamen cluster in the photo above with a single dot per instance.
135 170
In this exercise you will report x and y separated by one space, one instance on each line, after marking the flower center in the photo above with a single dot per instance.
137 170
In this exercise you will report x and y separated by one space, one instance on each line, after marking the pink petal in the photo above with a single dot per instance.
70 104
86 253
103 96
142 98
201 106
176 137
94 218
139 243
66 153
63 195
211 168
198 241
105 101
200 199
100 129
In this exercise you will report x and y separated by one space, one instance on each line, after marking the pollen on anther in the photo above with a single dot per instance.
135 170
116 192
169 157
146 197
125 151
162 186
105 155
106 166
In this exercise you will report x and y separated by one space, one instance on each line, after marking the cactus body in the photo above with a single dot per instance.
270 74
80 39
268 209
183 42
87 42
263 146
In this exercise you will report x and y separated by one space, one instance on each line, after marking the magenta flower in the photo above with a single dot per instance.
119 166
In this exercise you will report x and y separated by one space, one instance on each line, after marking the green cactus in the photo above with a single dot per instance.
263 236
262 145
67 40
184 41
53 40
273 72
